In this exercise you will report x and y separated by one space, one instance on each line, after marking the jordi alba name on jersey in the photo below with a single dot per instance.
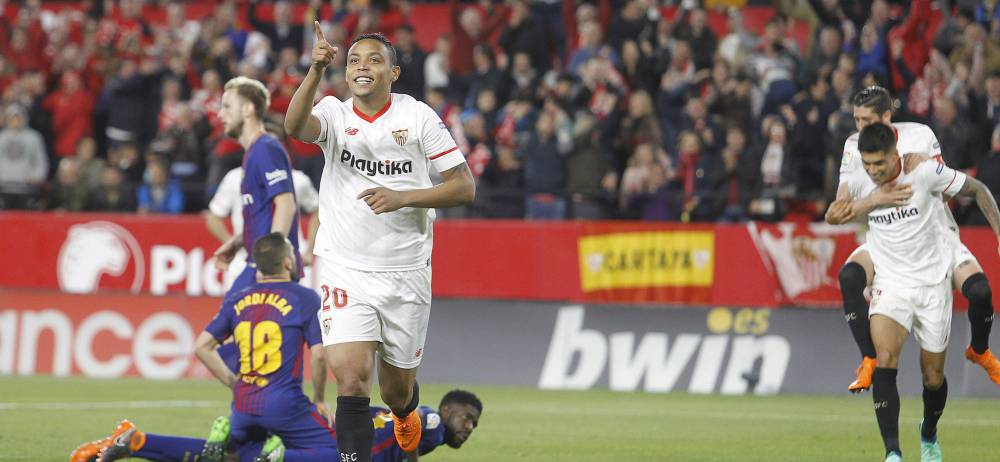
393 149
907 243
269 321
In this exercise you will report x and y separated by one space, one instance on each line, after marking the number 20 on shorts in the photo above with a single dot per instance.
339 297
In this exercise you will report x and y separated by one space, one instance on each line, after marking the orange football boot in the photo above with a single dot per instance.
986 361
125 440
408 431
87 452
864 380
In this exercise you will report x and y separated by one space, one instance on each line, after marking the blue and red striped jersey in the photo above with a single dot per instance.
270 322
267 172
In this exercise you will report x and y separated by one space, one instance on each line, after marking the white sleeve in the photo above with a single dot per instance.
855 183
851 160
328 115
436 142
942 179
305 193
933 146
227 195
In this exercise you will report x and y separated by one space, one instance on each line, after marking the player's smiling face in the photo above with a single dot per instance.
882 167
459 421
369 69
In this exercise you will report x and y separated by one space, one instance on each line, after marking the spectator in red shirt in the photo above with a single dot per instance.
917 32
468 30
71 107
25 55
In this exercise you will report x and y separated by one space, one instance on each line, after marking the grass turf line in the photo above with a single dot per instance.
43 418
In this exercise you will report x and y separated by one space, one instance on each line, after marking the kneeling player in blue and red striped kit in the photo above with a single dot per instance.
270 321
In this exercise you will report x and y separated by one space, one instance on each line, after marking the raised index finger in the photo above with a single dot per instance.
319 32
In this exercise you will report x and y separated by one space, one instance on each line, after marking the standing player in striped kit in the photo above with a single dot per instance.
266 190
376 225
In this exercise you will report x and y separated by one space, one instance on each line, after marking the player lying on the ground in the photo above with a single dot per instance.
452 424
912 287
912 140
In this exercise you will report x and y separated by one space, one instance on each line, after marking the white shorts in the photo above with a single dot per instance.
391 307
959 253
924 311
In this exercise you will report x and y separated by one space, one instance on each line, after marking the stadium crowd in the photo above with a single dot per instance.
564 109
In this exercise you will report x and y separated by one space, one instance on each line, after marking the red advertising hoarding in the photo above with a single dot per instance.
754 264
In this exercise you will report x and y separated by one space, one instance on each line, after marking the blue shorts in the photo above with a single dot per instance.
305 429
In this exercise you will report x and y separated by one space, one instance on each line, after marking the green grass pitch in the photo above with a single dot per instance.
42 419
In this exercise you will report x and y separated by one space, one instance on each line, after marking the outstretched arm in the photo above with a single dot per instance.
987 203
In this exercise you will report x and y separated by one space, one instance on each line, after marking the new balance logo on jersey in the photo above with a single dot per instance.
276 176
373 167
893 216
351 131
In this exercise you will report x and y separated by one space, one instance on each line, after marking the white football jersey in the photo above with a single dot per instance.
911 137
906 242
393 149
226 200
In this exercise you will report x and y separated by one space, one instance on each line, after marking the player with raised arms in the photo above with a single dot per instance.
376 210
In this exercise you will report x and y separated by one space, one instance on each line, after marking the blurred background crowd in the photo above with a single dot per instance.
565 109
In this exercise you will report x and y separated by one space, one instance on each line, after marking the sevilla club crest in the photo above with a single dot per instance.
400 136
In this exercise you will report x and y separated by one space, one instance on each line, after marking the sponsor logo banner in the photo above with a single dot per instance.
725 350
647 259
720 350
755 264
102 336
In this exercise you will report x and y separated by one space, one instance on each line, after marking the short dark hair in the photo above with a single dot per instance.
877 137
377 36
268 252
873 97
462 397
